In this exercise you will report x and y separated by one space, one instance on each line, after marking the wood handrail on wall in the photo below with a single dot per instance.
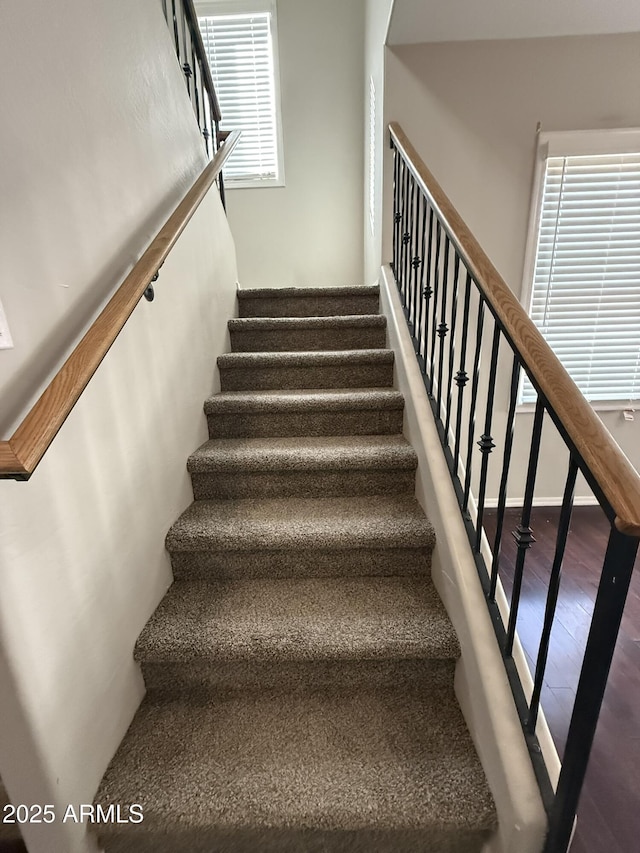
20 455
609 467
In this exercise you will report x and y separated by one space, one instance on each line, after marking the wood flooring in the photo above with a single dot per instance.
609 811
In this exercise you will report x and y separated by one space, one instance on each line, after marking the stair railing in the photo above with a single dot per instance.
452 295
182 21
20 455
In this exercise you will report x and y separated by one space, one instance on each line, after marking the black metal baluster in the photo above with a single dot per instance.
421 281
474 401
176 37
506 462
605 624
187 76
452 341
397 216
486 443
443 329
400 228
411 254
406 237
416 263
523 533
188 69
403 242
195 83
428 289
206 133
217 143
552 594
461 376
436 277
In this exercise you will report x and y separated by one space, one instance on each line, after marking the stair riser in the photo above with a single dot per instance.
143 839
318 562
273 484
252 378
307 340
310 423
314 306
170 680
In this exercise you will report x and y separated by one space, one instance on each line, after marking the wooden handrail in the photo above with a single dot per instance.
26 447
614 474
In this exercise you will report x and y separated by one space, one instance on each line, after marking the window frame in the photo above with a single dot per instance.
211 8
572 143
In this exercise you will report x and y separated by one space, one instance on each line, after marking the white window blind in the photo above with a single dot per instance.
586 280
241 56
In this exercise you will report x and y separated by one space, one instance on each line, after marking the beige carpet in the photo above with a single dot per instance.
300 670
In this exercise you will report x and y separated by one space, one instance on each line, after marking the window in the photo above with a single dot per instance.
240 42
583 269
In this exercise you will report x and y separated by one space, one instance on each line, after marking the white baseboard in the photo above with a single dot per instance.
585 500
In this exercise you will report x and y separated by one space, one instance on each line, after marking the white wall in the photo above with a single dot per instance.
376 24
471 109
309 232
98 144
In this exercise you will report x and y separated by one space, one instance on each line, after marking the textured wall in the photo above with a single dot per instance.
377 20
98 143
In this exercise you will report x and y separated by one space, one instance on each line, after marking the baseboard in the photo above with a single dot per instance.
585 500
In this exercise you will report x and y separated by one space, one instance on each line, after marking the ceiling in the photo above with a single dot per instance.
416 21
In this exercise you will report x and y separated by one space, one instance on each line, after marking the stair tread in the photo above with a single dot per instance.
303 453
304 358
283 524
368 757
339 321
296 400
306 292
298 619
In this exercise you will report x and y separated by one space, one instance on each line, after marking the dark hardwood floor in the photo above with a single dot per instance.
609 812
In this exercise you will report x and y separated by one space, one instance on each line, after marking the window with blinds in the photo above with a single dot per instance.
586 276
240 46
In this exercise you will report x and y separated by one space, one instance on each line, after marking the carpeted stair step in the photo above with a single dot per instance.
314 466
364 411
256 371
308 301
362 769
234 634
295 334
322 537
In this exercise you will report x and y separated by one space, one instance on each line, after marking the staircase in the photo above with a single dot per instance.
300 669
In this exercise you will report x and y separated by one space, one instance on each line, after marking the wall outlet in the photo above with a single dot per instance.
6 341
